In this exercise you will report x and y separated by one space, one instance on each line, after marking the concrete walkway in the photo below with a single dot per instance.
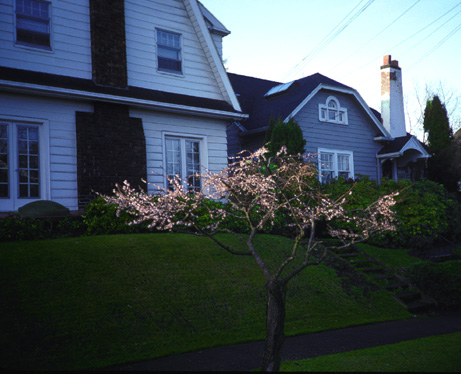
247 356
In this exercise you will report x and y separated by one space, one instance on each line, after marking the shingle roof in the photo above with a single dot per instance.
397 144
250 92
45 79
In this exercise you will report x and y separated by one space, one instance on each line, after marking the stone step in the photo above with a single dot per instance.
374 269
420 306
362 263
443 258
349 255
349 249
383 276
409 296
396 285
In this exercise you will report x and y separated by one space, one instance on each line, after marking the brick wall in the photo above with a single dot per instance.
111 148
108 43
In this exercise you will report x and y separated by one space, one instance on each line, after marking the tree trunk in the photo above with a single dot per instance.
275 322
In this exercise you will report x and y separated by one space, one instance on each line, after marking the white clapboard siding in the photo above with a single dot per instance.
142 19
70 35
155 124
62 154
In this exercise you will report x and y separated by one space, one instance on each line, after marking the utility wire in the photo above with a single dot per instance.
398 44
374 37
329 38
430 34
453 32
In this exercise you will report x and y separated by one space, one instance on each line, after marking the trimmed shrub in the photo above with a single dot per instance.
17 228
425 210
43 208
441 281
100 218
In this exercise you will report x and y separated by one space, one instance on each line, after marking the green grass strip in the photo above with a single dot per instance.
434 354
90 302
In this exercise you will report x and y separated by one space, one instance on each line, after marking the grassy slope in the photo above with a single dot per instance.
393 258
434 354
95 301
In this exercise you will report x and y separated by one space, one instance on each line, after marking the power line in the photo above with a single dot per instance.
429 35
453 32
329 38
374 37
403 41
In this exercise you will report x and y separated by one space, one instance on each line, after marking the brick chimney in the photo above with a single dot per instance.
392 111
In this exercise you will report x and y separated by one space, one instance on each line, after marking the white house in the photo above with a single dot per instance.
94 92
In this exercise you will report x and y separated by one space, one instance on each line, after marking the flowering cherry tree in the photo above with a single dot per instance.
257 189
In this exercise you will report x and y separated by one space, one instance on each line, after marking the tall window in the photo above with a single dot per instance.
19 161
4 162
28 162
33 23
183 159
332 112
334 164
169 52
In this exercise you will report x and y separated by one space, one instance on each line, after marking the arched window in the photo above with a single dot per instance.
332 112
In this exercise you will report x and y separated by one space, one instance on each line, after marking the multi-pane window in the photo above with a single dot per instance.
33 23
344 168
28 162
4 163
334 164
183 160
19 161
332 112
326 167
169 52
193 164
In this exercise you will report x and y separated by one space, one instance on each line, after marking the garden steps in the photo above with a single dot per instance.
398 286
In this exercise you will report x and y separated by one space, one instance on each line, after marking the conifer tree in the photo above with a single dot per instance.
437 126
287 134
440 138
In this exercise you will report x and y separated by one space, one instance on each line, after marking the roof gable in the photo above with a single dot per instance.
199 24
399 145
286 104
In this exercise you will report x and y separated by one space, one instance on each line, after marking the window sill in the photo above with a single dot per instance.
171 73
32 47
334 122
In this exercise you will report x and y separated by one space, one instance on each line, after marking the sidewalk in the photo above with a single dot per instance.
247 356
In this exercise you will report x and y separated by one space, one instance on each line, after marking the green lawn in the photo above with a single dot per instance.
434 354
393 258
90 302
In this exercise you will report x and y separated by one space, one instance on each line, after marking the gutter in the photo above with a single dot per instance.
28 88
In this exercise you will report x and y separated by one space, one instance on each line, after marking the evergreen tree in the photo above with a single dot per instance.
437 126
440 138
285 134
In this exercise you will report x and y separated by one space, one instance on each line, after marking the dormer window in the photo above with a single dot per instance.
332 111
169 52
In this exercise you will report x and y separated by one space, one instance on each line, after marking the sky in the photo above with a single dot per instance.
284 40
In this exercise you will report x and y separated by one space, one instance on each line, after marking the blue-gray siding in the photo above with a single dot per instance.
357 136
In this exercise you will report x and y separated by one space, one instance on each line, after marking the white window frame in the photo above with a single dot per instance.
178 49
339 113
202 140
335 167
13 202
31 45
